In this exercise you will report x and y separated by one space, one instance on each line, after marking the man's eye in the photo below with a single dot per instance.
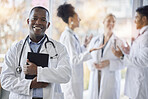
34 18
43 19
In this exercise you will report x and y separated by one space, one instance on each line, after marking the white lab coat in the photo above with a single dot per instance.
136 83
58 71
78 54
110 75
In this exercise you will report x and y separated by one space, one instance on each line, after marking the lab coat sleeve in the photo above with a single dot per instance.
75 58
9 81
116 64
141 59
60 74
91 62
83 48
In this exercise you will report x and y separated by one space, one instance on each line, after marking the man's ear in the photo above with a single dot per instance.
145 20
48 24
27 21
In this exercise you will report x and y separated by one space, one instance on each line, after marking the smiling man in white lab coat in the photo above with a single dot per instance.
46 85
136 58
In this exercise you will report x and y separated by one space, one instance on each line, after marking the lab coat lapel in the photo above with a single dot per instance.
26 49
99 53
23 58
108 45
43 49
101 39
49 46
98 45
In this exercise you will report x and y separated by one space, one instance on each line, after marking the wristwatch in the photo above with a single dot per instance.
122 57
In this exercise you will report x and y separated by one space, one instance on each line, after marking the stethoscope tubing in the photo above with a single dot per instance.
18 69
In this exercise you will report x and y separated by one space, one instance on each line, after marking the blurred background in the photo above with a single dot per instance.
14 14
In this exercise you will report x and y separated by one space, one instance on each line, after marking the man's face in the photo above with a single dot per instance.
38 22
138 20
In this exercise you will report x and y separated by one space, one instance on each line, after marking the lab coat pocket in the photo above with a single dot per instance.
13 96
53 63
18 96
58 95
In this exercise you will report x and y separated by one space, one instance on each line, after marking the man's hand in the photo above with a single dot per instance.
118 53
35 84
87 40
30 69
126 49
102 64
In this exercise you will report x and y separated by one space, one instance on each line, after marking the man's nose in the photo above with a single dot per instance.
38 21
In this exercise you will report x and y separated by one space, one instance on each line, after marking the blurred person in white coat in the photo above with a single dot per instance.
136 58
78 54
105 66
46 85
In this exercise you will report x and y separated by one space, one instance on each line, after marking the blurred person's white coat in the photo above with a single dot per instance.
110 75
136 83
78 54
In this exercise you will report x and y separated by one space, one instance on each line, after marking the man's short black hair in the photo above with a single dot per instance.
39 7
65 11
143 11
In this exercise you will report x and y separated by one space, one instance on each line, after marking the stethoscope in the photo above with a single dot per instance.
19 68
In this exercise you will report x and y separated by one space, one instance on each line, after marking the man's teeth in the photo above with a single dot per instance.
37 27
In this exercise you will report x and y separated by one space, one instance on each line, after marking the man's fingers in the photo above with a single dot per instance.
25 70
43 85
29 62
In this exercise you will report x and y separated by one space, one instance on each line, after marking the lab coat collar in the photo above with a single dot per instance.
142 30
50 49
30 41
26 46
43 49
102 36
70 30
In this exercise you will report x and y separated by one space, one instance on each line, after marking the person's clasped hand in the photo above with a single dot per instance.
35 84
30 68
102 64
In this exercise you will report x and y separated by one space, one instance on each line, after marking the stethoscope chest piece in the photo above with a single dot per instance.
19 69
